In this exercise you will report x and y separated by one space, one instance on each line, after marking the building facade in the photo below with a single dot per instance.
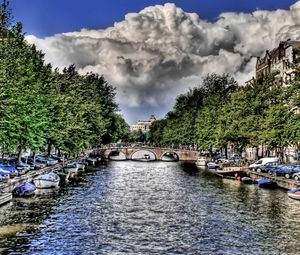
279 61
143 125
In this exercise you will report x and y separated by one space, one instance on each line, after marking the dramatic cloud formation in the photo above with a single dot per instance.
154 55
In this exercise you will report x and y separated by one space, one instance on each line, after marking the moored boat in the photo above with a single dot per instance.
267 184
230 171
80 166
201 161
247 180
212 165
49 180
5 198
72 168
24 190
145 158
93 160
294 193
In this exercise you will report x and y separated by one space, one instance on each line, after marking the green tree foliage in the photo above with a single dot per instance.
42 106
119 130
219 112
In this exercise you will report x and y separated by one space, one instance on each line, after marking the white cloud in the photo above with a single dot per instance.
161 51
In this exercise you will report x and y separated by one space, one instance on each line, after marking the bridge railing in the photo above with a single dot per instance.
135 145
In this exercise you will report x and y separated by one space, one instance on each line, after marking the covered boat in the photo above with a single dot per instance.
212 165
247 180
267 184
5 198
294 193
24 190
44 181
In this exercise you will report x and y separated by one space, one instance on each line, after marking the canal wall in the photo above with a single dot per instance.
281 181
10 184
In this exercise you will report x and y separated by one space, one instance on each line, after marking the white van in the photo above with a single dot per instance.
262 162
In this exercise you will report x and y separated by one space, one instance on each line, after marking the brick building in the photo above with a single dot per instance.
280 60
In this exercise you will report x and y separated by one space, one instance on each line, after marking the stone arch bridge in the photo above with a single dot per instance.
182 155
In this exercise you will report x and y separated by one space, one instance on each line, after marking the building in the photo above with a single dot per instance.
143 125
279 61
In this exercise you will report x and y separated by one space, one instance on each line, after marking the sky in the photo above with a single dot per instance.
152 51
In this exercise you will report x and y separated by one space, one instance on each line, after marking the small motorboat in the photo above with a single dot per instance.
24 190
72 168
80 165
92 160
64 177
294 193
247 180
230 171
212 165
170 157
145 158
267 184
201 161
45 181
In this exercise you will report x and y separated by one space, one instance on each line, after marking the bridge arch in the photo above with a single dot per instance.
116 155
170 156
141 154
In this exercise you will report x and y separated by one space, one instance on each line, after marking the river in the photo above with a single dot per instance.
152 208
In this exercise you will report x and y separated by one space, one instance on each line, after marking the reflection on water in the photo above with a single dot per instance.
152 208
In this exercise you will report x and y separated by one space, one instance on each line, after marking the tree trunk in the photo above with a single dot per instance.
49 148
256 153
210 152
226 152
19 155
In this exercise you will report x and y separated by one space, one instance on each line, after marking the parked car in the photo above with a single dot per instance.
36 165
221 159
46 160
289 174
234 158
11 170
262 162
4 177
22 168
296 176
285 170
56 157
266 167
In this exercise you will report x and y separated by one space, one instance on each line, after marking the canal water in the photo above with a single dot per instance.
152 208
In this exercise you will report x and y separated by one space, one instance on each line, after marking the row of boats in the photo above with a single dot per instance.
238 173
49 180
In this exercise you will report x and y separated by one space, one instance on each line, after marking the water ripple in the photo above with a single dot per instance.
152 208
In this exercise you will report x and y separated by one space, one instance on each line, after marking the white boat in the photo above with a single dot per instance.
202 161
212 165
45 181
5 198
72 168
80 166
294 193
92 160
